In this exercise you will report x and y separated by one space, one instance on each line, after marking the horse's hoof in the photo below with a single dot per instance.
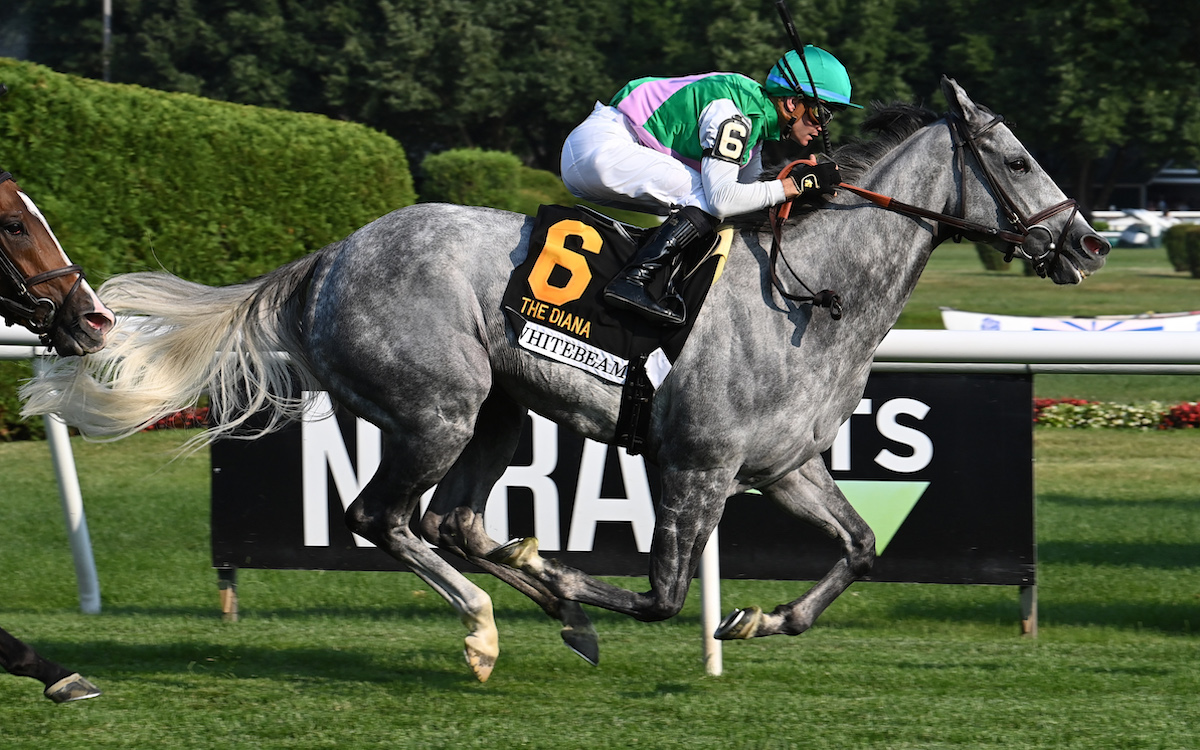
480 663
72 688
516 553
740 624
583 641
481 647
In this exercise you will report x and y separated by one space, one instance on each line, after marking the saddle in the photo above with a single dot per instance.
554 306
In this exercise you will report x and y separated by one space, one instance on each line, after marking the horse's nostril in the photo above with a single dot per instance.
1096 244
99 321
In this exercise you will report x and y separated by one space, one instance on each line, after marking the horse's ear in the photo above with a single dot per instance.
961 104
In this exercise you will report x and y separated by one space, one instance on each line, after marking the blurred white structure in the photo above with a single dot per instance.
1140 227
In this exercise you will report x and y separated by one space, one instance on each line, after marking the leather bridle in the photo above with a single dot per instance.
1022 226
38 314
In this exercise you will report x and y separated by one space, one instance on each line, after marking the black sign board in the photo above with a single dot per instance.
940 465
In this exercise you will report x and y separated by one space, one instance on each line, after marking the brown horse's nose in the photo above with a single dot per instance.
102 322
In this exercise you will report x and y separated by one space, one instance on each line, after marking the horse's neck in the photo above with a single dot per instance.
878 255
920 171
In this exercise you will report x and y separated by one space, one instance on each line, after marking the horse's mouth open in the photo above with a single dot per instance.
100 323
86 335
1096 246
1078 263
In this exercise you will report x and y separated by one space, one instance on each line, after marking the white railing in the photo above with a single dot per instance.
902 350
1148 352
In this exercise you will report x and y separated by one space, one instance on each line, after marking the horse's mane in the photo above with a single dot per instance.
885 128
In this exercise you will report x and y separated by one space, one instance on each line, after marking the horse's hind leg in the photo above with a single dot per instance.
62 685
454 520
689 511
811 494
382 513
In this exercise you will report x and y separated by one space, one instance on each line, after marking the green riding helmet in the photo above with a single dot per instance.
829 77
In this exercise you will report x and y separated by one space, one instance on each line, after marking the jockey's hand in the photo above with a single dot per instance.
815 182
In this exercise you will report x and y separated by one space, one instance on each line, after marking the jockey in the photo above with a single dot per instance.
690 148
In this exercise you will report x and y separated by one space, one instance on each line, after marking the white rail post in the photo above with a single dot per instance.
710 605
72 505
20 344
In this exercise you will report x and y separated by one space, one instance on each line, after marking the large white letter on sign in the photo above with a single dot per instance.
324 452
922 446
590 508
839 456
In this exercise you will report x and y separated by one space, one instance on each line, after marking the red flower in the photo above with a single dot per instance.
190 417
1041 404
1182 416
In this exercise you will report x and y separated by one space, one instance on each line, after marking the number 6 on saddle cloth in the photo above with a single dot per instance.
555 305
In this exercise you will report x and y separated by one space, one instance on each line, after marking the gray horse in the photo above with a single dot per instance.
402 323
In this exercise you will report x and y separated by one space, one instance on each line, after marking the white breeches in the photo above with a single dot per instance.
603 162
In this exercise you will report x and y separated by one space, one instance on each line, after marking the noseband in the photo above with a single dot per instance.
38 314
1023 226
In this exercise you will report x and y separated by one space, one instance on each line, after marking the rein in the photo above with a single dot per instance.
38 314
1024 225
824 298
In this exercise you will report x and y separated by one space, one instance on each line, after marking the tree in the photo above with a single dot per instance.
1083 81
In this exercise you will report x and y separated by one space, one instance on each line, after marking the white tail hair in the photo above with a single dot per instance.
176 341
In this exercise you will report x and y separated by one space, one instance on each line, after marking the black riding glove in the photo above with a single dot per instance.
816 182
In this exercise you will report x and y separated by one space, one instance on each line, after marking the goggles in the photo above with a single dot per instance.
819 112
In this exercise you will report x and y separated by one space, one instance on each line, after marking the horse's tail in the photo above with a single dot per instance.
174 342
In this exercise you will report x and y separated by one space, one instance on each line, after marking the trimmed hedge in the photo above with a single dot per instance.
1182 242
475 177
133 179
993 260
1174 240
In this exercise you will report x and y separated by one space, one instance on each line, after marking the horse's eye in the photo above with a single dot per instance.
14 228
1019 165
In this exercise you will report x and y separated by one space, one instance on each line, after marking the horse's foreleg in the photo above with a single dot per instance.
689 511
454 520
811 494
62 685
374 516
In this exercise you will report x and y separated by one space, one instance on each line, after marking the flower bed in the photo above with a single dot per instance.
194 417
1073 412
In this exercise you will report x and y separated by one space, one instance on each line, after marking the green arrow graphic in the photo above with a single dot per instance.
883 505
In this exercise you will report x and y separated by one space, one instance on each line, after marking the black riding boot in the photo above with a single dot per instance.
630 291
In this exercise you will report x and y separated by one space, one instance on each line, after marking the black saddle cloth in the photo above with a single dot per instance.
554 300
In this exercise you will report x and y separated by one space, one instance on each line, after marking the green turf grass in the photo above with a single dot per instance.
350 660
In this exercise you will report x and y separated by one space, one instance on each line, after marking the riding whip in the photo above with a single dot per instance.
786 16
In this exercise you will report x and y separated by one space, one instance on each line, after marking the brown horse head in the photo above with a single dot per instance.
40 288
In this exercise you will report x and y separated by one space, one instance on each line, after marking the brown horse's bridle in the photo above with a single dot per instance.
1023 226
38 314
